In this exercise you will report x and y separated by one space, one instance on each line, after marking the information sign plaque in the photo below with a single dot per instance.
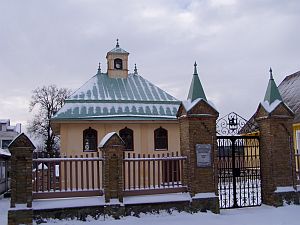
203 153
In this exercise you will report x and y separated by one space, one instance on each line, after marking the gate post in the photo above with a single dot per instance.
20 211
112 147
276 155
197 123
276 148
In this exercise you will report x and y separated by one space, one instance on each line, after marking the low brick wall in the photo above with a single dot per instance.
20 216
117 211
286 197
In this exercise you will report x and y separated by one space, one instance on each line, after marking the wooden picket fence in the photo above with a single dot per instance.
80 176
74 176
153 174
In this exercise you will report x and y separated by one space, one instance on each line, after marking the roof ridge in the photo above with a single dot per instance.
296 74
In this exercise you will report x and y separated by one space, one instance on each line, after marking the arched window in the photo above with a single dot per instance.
118 64
160 139
127 135
90 140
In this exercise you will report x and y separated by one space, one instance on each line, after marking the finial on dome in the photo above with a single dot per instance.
135 70
117 45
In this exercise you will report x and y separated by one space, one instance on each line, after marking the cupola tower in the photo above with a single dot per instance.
117 62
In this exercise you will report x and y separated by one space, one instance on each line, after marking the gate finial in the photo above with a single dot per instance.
195 68
271 75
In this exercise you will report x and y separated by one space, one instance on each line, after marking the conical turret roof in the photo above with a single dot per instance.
196 90
272 92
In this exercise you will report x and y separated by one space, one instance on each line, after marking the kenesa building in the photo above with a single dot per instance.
122 136
118 101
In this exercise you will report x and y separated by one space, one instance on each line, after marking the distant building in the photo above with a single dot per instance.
4 180
7 134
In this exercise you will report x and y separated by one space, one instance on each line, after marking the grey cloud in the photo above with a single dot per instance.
61 42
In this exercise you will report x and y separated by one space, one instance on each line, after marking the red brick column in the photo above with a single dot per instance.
198 134
112 147
276 155
21 181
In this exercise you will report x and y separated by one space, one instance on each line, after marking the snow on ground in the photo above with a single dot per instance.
4 205
287 215
263 215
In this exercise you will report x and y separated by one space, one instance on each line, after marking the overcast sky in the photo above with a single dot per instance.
234 43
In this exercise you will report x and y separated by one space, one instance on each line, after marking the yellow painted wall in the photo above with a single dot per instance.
296 127
72 135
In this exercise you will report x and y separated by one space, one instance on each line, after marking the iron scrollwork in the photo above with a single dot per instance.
233 124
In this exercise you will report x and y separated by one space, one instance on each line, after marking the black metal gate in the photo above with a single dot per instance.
239 164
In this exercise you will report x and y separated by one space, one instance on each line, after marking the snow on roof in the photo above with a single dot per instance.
103 97
11 128
4 121
135 87
106 138
5 152
271 107
118 50
107 109
188 104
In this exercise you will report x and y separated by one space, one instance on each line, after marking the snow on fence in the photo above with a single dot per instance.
73 176
153 174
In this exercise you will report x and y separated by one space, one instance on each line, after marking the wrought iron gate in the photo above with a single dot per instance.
239 164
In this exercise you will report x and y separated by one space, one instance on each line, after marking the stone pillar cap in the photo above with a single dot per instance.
105 140
21 141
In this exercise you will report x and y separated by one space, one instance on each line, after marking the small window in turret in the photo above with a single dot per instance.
118 64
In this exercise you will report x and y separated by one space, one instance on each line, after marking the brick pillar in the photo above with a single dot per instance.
276 155
21 181
112 147
198 142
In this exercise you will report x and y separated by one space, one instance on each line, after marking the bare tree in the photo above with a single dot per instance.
48 100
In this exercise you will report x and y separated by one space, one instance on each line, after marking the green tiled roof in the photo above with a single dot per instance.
272 92
105 98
